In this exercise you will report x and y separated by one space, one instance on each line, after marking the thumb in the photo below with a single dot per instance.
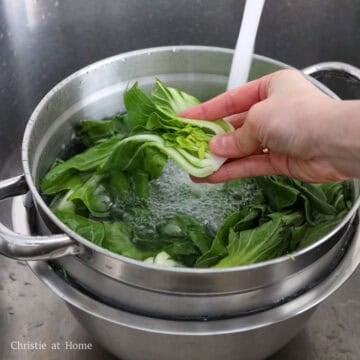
236 144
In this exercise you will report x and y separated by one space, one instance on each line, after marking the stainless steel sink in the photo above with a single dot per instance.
43 41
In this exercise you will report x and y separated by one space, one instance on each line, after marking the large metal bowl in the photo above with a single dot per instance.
133 337
96 91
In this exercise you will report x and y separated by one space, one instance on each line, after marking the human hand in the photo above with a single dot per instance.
310 136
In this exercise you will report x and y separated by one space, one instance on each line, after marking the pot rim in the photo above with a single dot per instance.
87 243
294 307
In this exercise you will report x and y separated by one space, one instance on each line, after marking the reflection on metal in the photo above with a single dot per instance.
334 66
18 13
32 13
26 247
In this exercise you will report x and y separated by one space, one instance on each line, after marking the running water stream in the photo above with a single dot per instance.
244 49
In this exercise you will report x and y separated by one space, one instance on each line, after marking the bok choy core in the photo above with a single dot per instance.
126 188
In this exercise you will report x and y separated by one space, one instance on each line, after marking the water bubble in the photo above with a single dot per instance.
175 193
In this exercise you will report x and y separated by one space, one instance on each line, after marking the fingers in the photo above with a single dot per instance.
256 165
231 102
237 120
239 143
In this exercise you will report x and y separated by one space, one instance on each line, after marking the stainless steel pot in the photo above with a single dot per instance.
253 337
96 91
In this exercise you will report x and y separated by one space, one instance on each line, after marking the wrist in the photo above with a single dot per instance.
341 136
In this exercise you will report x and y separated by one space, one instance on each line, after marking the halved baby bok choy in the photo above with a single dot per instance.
153 121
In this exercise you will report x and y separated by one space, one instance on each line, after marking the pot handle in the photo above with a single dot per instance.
333 66
28 248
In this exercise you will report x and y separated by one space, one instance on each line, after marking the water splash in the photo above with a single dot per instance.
210 204
241 63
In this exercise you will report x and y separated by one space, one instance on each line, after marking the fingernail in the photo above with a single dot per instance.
218 144
214 142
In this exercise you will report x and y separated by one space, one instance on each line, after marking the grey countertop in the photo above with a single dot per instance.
42 41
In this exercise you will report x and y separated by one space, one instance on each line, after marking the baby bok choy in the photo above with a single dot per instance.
153 122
